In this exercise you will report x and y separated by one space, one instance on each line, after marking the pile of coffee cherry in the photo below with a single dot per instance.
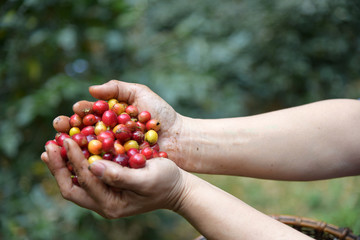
110 130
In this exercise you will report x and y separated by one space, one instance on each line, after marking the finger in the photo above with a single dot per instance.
118 176
44 157
121 91
90 183
62 175
82 108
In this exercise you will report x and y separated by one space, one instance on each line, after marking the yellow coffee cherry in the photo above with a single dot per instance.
93 158
131 144
112 102
74 130
151 137
100 127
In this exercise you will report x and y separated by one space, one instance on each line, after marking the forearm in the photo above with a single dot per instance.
308 142
219 215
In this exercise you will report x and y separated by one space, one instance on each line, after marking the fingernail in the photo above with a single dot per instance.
97 168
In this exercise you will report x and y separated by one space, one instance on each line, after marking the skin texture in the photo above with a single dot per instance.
309 142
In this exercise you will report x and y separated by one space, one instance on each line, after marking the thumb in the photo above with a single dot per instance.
121 91
116 175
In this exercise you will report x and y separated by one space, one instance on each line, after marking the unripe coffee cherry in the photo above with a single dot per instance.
151 137
95 147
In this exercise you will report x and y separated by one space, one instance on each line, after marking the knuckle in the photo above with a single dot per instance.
110 212
66 193
113 81
114 177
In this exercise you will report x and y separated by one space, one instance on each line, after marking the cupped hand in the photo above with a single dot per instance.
145 100
114 191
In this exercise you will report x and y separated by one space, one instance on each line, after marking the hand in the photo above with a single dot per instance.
144 99
114 191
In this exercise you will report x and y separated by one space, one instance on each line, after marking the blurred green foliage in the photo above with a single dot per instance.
206 58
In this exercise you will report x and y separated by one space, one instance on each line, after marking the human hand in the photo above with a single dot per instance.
143 98
114 191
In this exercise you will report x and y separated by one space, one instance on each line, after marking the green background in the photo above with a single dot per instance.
208 59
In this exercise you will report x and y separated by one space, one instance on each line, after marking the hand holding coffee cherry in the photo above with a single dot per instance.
111 190
117 92
110 130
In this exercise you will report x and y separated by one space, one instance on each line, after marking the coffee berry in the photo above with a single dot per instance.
110 130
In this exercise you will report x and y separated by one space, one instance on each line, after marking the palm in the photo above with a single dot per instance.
144 99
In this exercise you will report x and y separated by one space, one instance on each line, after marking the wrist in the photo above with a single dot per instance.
183 191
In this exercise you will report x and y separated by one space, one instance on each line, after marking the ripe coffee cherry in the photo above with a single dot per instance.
75 180
69 166
138 136
91 137
163 154
89 120
80 139
75 120
51 142
107 144
60 137
147 152
63 153
153 124
122 133
98 118
132 151
123 118
121 159
156 147
156 154
88 130
106 134
86 153
140 126
132 111
144 116
137 161
100 107
131 125
109 118
107 156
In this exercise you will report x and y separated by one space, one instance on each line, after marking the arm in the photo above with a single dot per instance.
114 191
219 215
313 141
